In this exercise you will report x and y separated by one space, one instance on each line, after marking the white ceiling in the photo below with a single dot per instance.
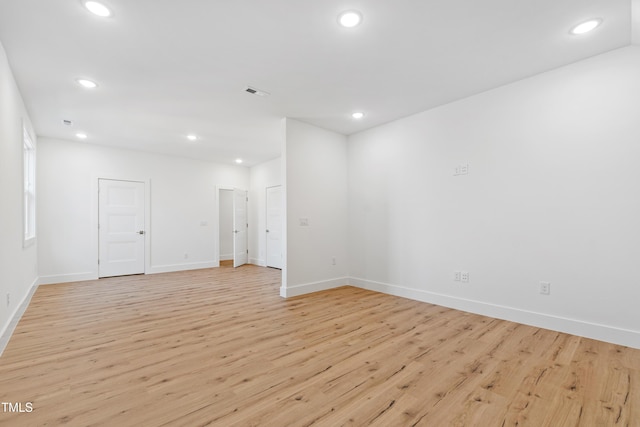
167 68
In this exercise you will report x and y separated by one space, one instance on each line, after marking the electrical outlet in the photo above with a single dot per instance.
186 255
545 288
333 260
457 276
464 275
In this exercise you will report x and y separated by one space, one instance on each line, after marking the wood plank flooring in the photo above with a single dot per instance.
219 347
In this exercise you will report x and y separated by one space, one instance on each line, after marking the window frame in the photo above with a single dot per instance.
28 188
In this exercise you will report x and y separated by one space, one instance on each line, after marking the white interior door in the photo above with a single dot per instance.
240 246
274 227
121 227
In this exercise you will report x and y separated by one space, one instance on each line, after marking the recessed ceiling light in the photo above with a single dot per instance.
97 8
587 26
357 115
350 18
87 83
238 161
81 135
192 137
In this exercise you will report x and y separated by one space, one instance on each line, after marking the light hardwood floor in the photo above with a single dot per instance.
220 347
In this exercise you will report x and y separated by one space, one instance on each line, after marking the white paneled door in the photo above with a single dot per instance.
274 227
121 227
240 245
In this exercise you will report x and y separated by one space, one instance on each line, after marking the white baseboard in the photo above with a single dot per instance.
257 261
155 269
66 278
228 257
626 337
307 288
14 318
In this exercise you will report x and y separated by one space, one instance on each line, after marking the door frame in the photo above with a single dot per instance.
244 197
216 225
266 225
95 213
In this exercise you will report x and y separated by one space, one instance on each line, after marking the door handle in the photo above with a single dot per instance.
235 231
141 232
267 230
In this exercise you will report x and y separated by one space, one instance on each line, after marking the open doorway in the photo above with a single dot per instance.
225 234
232 227
274 227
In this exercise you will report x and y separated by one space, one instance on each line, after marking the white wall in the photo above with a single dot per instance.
226 224
315 189
262 176
182 198
552 195
18 264
635 22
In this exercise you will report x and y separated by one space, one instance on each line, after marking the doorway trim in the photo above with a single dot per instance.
216 260
216 225
266 228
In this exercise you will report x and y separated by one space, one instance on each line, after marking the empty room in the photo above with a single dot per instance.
344 212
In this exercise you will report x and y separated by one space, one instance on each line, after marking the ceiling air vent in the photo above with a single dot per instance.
255 91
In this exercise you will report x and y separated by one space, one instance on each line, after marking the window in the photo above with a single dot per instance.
29 159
